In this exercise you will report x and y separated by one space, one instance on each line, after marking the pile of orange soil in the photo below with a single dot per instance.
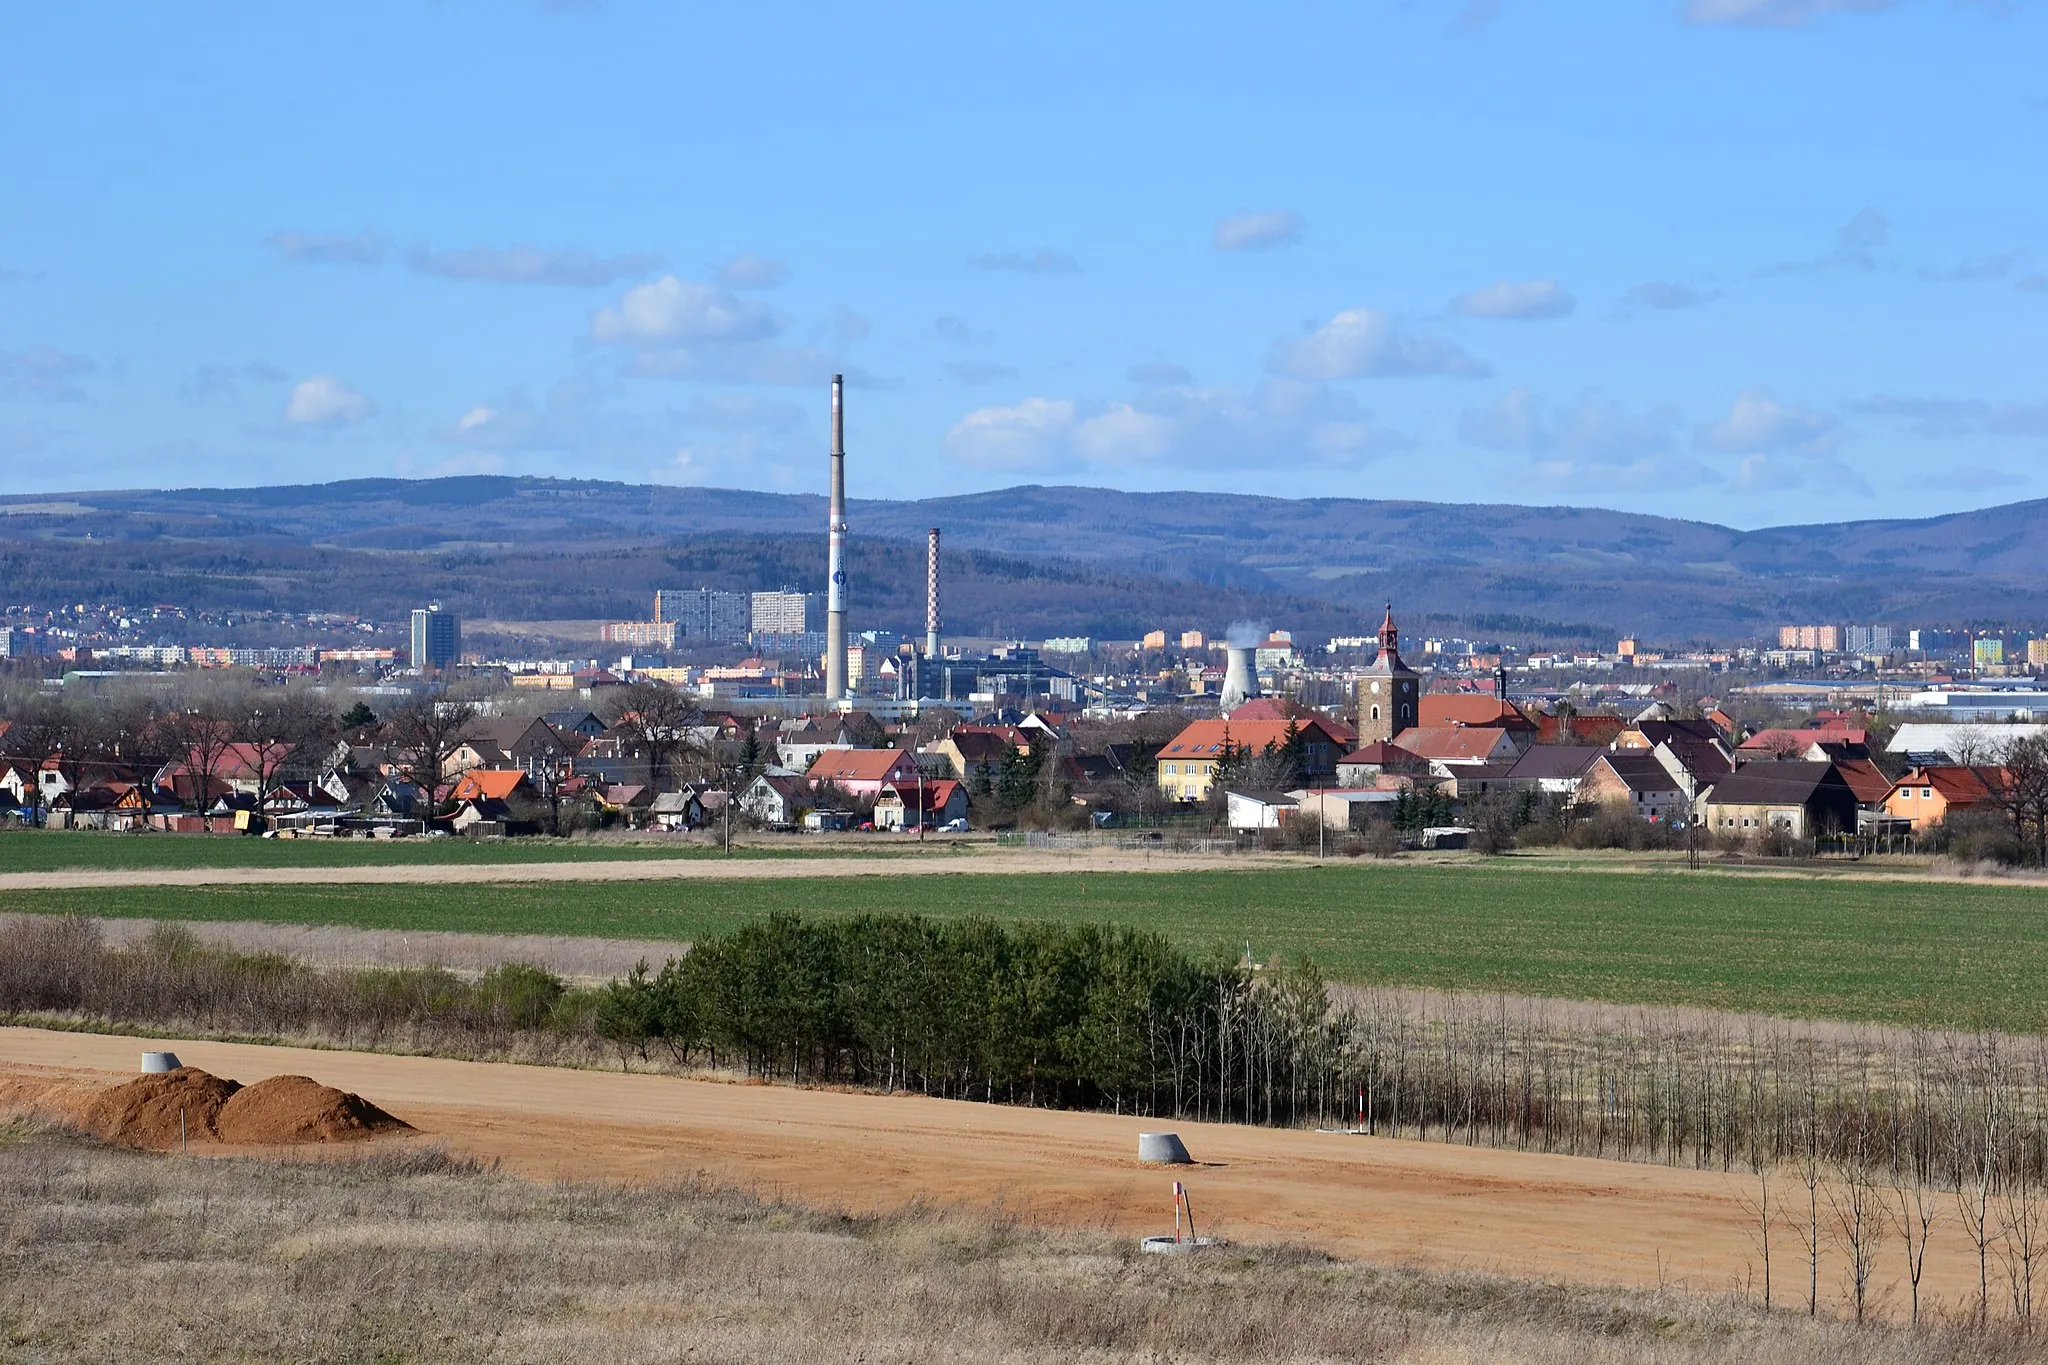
156 1111
297 1109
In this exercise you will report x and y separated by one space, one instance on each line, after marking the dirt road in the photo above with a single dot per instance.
1387 1201
634 870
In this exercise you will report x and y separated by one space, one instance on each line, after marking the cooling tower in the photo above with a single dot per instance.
1240 676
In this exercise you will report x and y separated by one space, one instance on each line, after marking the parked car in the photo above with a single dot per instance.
958 826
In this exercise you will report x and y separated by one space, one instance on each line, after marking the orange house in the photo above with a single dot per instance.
1925 796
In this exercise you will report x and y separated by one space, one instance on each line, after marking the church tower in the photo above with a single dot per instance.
1389 692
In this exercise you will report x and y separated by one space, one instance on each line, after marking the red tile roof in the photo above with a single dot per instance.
1439 709
856 765
1214 736
488 784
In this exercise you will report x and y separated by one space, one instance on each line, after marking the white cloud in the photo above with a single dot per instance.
1280 423
1763 474
1589 438
1044 261
331 248
1857 243
531 265
44 372
1776 13
749 271
324 401
1024 435
673 312
1760 425
1258 231
1526 301
1363 343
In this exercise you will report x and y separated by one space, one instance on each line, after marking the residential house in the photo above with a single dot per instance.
677 810
1812 744
1804 798
583 723
1552 769
1448 710
798 746
1188 762
1363 767
1446 747
969 751
1871 786
776 799
612 760
527 743
631 802
1578 727
1285 709
1634 781
1647 732
490 784
1927 795
899 806
863 772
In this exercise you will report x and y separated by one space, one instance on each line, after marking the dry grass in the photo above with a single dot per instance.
404 1255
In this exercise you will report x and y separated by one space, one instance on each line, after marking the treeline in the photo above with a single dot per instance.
63 966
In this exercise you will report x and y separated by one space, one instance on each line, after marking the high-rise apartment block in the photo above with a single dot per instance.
705 615
1869 639
436 638
787 613
1827 639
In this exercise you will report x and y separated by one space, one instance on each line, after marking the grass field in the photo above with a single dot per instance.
55 850
1897 952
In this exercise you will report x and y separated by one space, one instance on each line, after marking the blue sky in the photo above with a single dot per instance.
1755 261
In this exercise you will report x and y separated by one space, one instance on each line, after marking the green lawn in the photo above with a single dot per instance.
55 850
1894 951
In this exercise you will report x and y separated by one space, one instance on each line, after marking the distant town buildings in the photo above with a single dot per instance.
786 612
705 614
436 638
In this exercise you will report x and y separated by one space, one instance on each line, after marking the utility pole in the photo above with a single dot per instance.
726 772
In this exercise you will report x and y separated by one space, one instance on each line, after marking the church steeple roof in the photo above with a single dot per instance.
1390 634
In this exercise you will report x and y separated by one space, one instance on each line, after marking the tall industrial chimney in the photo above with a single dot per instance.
931 594
1240 676
835 556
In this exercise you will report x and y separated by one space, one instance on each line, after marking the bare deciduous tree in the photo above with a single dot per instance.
427 731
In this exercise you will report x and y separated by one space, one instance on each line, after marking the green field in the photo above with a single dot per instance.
64 850
1894 951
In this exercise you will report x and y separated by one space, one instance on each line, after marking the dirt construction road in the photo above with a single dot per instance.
630 870
1370 1198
